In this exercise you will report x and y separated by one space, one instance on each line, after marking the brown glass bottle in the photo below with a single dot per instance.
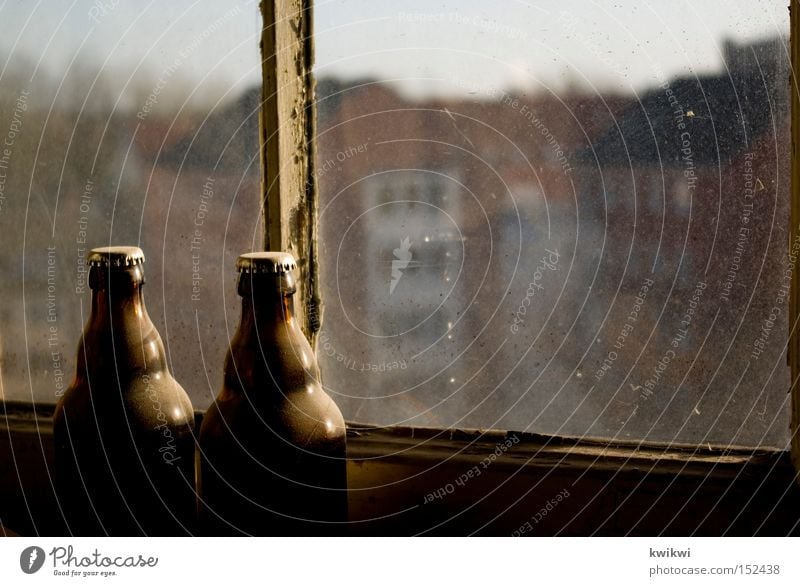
124 429
272 445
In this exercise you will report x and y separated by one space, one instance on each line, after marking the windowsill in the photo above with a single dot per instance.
618 487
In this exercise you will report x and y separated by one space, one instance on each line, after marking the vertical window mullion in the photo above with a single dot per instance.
794 232
286 137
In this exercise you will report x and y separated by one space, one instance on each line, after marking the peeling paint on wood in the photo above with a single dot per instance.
287 154
794 340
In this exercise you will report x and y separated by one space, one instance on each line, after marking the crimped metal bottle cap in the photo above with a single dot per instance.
115 256
266 262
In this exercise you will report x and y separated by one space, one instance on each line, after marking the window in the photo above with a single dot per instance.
463 159
126 123
569 219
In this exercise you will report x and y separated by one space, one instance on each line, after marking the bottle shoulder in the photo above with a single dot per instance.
271 387
303 416
278 362
140 399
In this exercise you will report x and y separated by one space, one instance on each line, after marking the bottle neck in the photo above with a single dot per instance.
269 355
266 307
114 307
117 296
267 301
119 324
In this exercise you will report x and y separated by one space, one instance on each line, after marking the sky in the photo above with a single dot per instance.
134 42
446 46
620 44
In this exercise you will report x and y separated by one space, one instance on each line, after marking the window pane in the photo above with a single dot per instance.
557 217
125 123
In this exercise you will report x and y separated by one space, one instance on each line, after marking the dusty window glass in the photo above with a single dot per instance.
125 123
557 217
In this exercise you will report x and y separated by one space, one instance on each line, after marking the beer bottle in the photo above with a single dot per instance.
272 445
124 429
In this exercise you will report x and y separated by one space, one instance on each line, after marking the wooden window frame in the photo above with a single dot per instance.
298 207
397 468
288 160
287 130
794 230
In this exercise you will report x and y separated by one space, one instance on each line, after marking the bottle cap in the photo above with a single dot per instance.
115 256
266 262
